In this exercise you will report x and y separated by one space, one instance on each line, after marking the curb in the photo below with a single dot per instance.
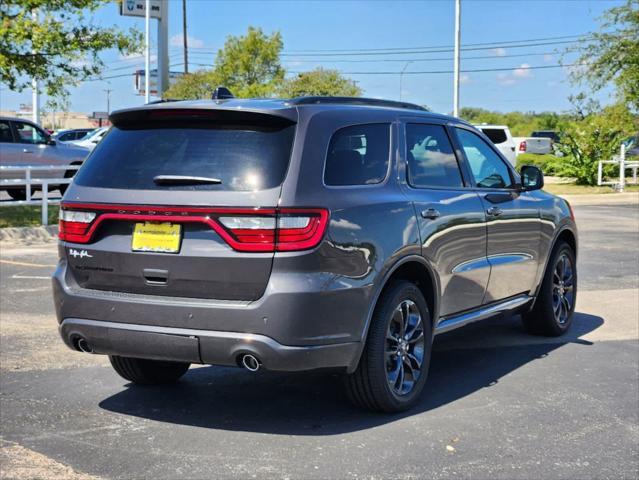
629 198
29 235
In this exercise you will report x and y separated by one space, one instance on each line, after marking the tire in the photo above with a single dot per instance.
67 174
376 385
554 308
148 372
17 193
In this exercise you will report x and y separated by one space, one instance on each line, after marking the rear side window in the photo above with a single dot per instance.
243 157
5 132
358 155
431 161
496 135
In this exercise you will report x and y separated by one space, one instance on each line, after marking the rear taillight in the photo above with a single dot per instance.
245 230
74 225
522 146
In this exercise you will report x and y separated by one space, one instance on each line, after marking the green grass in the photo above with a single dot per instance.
26 216
572 189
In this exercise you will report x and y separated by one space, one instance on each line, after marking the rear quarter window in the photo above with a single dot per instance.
243 157
358 155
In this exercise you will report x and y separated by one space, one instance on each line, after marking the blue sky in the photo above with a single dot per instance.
325 25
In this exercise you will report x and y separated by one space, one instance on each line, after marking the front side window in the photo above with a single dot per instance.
430 157
5 132
27 133
358 155
488 170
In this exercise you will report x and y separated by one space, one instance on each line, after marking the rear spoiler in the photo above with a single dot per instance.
153 115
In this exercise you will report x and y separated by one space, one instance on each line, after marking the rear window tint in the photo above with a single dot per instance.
358 155
242 157
496 135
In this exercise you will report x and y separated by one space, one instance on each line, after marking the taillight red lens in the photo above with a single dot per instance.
522 146
245 230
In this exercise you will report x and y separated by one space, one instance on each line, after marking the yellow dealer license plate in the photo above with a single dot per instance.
157 237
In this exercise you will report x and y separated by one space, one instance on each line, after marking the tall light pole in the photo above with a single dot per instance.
35 95
401 78
186 44
147 50
456 67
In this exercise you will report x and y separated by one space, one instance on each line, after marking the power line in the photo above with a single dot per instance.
476 70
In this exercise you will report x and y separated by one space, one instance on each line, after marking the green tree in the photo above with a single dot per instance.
595 134
249 65
612 54
59 46
319 82
196 85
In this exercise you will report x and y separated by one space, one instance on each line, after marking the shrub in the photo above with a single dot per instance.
549 164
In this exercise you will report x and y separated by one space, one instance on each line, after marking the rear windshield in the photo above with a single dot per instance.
496 135
552 135
242 157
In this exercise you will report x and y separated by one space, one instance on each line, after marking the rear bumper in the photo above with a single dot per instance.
202 346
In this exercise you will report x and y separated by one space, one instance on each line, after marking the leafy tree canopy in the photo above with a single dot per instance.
593 134
612 54
249 65
59 46
319 82
521 124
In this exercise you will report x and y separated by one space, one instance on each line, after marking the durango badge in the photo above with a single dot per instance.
82 253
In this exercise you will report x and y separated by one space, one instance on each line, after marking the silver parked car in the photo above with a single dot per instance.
23 143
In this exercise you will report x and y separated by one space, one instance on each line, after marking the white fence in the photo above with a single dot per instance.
623 166
30 180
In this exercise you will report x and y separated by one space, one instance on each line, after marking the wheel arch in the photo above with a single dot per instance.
415 269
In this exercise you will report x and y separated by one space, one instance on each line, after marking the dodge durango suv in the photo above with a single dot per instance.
300 234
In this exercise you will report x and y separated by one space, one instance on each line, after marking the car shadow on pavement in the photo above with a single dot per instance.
313 403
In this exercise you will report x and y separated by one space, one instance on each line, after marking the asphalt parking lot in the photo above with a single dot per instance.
499 403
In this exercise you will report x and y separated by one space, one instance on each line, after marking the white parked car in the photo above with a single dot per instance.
92 139
503 140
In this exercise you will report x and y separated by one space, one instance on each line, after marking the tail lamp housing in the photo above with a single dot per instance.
244 229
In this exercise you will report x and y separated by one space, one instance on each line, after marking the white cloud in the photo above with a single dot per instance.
499 52
464 79
505 79
523 71
177 41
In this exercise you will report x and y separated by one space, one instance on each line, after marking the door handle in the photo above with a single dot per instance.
494 211
430 213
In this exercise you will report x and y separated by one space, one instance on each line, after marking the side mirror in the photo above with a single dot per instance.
532 178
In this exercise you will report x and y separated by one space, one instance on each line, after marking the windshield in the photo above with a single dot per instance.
243 157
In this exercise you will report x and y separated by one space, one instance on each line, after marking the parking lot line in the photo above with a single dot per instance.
26 264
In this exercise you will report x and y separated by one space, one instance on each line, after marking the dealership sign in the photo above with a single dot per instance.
137 8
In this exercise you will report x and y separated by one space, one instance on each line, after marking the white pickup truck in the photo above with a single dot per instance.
503 140
540 142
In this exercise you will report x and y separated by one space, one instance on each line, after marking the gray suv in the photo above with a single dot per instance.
302 234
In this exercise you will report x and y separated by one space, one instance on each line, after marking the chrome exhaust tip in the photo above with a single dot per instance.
251 362
83 346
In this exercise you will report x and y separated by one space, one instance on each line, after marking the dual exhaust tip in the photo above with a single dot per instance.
250 362
82 345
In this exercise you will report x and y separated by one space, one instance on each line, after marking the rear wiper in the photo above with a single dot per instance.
184 180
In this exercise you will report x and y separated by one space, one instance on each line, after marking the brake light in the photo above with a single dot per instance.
74 225
245 230
522 146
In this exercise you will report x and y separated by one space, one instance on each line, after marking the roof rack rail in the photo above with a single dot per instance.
373 102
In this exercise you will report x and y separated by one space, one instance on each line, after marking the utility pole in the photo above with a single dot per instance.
108 92
186 44
163 48
456 67
35 96
147 50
